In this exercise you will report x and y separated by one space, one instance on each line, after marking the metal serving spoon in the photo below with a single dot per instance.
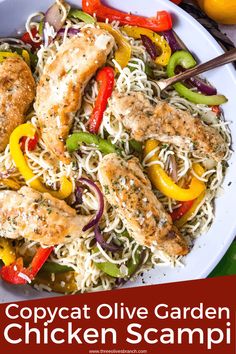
225 58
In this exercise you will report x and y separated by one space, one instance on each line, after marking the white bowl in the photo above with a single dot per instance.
210 247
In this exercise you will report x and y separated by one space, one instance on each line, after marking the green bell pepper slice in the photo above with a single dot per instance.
81 15
186 61
110 269
136 146
114 271
64 283
105 146
148 71
41 25
51 267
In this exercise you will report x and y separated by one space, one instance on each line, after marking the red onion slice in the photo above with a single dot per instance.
102 242
150 46
55 17
172 41
202 86
78 195
71 32
94 188
176 44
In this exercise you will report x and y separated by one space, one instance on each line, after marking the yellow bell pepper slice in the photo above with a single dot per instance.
10 183
26 56
123 53
159 41
5 55
183 220
29 130
65 190
166 185
7 253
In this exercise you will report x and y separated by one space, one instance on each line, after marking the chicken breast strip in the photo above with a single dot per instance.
17 91
129 191
62 84
38 217
167 124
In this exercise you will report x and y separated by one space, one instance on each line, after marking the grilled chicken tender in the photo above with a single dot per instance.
38 217
62 84
17 91
129 191
167 124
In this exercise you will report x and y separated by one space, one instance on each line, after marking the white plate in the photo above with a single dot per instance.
209 248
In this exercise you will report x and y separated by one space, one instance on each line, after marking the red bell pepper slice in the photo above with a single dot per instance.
14 273
216 110
105 78
162 22
27 40
31 144
183 209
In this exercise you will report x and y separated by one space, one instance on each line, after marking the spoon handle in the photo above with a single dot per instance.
225 58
